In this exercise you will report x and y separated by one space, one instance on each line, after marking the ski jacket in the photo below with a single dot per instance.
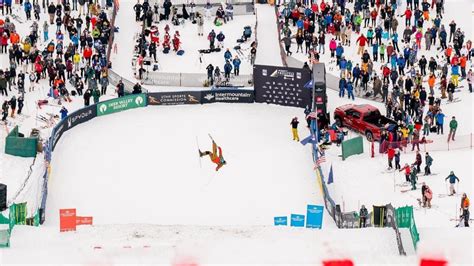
465 203
452 179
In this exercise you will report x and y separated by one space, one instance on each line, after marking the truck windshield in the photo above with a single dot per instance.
372 116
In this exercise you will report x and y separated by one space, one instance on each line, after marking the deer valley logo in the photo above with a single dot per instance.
103 108
209 96
139 100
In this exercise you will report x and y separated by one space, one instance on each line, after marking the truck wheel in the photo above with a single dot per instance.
338 122
369 135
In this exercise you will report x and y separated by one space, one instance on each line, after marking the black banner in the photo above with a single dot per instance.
282 85
228 96
72 120
81 116
58 131
174 98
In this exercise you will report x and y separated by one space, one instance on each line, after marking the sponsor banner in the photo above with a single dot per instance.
81 116
67 220
228 96
58 131
84 220
72 120
174 98
280 220
121 104
314 216
297 220
282 85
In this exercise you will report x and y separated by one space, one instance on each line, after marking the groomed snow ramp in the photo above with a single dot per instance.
268 51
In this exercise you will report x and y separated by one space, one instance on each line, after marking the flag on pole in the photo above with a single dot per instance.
319 161
330 177
310 139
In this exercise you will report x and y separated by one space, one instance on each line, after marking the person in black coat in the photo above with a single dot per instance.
20 104
120 89
363 214
137 89
138 9
87 97
12 104
185 12
4 110
167 6
210 72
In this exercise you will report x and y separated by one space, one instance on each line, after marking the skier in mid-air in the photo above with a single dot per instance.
215 158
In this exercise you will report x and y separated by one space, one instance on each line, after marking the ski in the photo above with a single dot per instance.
406 190
455 100
448 195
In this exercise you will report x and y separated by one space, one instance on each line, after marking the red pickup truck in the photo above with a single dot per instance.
363 118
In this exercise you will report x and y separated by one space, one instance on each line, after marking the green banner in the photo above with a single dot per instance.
121 104
406 219
352 147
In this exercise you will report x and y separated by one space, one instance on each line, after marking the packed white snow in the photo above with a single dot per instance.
143 166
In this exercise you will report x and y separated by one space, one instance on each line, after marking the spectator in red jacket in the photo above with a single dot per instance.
390 154
407 172
362 40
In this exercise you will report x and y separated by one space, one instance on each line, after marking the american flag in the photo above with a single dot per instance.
313 115
319 161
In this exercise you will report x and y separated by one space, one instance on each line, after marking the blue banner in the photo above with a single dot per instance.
314 216
280 220
297 220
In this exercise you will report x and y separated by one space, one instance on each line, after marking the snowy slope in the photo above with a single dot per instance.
268 52
141 166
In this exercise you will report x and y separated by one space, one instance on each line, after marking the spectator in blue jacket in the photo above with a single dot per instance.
375 51
452 180
342 87
339 53
350 89
27 5
439 122
227 55
442 38
393 60
236 62
401 65
395 41
343 64
63 112
227 69
299 24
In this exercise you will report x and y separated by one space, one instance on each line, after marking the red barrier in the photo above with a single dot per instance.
433 262
338 263
84 220
67 220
